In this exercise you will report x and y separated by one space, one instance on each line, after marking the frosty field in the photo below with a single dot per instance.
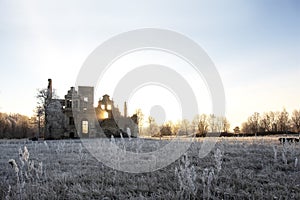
237 168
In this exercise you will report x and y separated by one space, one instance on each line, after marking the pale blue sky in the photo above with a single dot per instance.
254 44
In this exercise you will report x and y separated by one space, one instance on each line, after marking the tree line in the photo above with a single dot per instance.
273 122
199 126
16 126
279 122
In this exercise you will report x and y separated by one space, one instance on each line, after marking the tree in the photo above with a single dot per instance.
41 109
274 120
246 127
153 128
253 122
266 122
283 121
40 120
201 122
165 130
236 130
213 123
140 118
175 127
296 120
226 124
185 126
219 124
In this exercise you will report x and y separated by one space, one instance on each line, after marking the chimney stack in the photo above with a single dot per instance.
125 109
49 91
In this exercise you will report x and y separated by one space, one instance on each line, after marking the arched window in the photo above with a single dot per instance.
85 127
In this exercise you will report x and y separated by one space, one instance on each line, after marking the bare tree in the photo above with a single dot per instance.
42 104
185 126
222 124
140 117
166 130
266 123
201 122
254 122
153 128
274 120
283 121
213 123
246 127
296 120
175 126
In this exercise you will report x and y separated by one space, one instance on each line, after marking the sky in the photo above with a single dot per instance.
254 44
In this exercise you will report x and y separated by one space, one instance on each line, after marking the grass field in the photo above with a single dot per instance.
237 168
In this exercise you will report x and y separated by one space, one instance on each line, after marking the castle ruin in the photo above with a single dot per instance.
81 119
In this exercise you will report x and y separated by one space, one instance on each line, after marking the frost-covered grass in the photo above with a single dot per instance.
237 168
